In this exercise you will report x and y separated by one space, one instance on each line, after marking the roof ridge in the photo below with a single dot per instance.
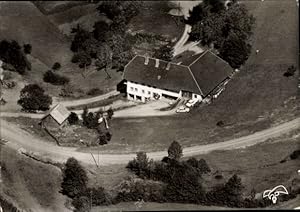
162 60
195 80
218 57
199 57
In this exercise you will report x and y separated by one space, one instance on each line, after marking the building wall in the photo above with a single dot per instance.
135 90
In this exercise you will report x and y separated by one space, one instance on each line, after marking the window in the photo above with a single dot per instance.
131 88
149 92
136 89
195 95
143 91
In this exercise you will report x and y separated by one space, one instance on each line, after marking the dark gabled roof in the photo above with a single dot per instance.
199 73
175 79
209 71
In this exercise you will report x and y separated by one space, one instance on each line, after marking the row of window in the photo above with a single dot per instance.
136 90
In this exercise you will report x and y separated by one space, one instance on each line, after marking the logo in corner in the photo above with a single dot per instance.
275 192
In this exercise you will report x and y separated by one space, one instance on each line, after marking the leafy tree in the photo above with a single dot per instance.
11 53
90 120
98 196
73 118
82 58
80 37
104 137
175 151
32 98
196 14
214 6
235 51
110 113
56 66
140 164
27 48
55 79
100 30
81 204
74 179
200 165
164 53
104 59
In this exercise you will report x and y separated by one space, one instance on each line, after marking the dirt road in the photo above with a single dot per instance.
18 138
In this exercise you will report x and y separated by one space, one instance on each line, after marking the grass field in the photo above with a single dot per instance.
256 98
31 184
154 19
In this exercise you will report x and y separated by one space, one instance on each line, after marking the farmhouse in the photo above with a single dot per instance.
195 78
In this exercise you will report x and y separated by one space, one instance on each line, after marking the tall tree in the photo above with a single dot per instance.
32 98
164 53
175 151
74 179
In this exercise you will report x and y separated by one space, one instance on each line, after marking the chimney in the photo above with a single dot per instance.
168 66
156 63
146 60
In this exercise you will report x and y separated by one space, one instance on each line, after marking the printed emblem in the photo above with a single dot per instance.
275 192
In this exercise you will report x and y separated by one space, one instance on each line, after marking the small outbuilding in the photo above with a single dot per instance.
57 115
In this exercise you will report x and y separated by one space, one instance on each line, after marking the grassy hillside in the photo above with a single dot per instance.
30 184
23 22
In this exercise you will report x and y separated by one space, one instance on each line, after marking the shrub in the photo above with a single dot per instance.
290 71
94 92
55 79
220 124
11 53
90 120
56 66
98 196
104 137
175 151
27 48
295 155
32 98
81 204
110 113
74 179
200 165
73 118
140 165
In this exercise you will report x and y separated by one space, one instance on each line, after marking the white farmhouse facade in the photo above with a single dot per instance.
149 79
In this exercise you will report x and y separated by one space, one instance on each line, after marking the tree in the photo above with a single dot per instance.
164 53
104 137
27 48
214 6
175 151
11 53
200 165
73 118
81 204
104 59
110 113
56 66
235 50
33 98
196 15
91 120
80 37
100 30
55 79
140 165
82 58
74 179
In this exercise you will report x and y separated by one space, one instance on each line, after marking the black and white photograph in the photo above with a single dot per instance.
162 105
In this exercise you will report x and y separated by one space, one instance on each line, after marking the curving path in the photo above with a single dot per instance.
18 138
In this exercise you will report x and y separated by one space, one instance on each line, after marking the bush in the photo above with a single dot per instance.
74 179
90 120
290 71
81 204
200 165
33 98
27 48
82 58
73 118
295 155
11 53
110 113
55 79
56 66
175 151
94 92
140 165
98 196
104 137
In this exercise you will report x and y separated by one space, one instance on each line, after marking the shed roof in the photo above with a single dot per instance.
59 113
